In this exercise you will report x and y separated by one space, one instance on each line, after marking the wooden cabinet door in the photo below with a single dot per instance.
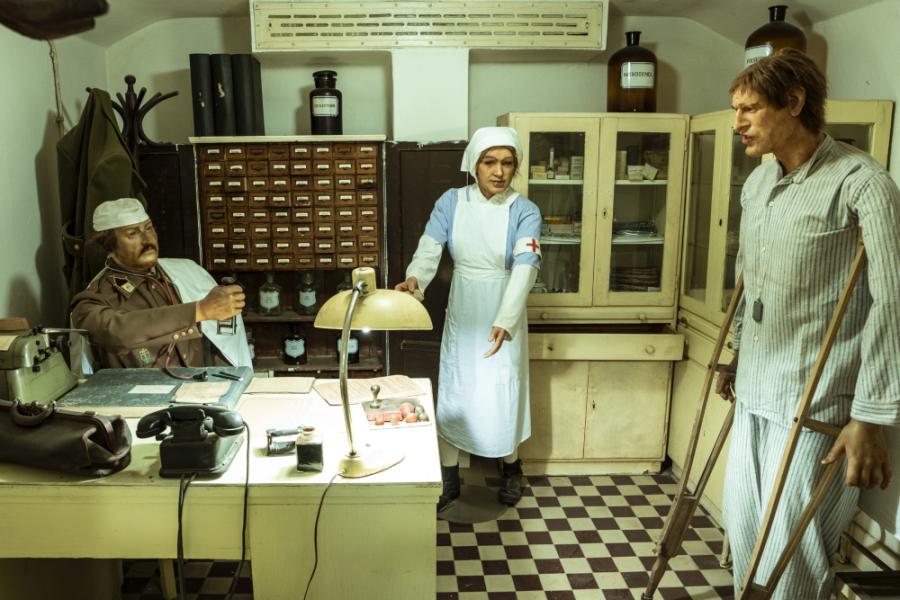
417 175
627 409
558 390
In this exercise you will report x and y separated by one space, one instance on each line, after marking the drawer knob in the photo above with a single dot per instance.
650 349
545 316
549 347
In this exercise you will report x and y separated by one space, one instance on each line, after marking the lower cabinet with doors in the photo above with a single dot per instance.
609 188
599 401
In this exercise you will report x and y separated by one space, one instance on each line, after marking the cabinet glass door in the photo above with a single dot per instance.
640 214
559 175
865 124
741 167
695 270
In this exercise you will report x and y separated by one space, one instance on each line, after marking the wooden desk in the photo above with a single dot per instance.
376 534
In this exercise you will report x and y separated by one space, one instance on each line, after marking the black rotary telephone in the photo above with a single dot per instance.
203 439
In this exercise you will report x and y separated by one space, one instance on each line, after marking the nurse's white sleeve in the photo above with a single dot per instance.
512 314
425 261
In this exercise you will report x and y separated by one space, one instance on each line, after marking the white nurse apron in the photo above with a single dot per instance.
482 402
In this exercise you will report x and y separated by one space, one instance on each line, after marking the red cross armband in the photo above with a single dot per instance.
527 244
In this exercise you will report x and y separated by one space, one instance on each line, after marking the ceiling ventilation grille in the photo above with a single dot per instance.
280 26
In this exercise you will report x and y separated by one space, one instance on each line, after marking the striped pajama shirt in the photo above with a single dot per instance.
799 235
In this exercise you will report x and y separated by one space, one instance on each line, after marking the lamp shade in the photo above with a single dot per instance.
379 310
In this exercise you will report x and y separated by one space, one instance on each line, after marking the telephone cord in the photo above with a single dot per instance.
183 486
237 572
316 537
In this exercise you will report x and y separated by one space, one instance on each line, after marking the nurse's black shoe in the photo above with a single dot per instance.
511 483
450 492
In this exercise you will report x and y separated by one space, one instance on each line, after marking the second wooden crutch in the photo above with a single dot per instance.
686 501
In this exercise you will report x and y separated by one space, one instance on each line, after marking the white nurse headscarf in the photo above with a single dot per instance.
489 137
119 213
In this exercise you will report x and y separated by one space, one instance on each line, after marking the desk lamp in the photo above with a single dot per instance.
366 307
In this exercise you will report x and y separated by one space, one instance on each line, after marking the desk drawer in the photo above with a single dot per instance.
256 151
236 168
235 152
279 152
301 152
258 168
606 346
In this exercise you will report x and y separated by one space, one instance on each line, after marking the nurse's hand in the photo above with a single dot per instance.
497 337
411 286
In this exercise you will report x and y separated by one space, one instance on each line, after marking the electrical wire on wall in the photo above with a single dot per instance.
60 122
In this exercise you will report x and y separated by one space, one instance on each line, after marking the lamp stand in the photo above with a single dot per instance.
355 464
374 461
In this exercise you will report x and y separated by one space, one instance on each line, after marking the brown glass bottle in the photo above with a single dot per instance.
631 78
773 36
326 105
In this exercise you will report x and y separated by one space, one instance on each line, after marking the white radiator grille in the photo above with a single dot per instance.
348 25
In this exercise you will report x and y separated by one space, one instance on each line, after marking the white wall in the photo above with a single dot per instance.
688 82
860 50
31 280
499 82
158 57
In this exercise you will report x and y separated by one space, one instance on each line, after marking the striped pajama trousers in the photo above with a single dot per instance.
754 455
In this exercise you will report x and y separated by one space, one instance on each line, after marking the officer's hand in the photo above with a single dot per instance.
222 302
497 337
411 285
868 461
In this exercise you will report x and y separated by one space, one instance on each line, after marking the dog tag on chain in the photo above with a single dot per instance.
757 310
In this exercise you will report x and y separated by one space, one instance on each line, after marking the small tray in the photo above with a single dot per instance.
390 408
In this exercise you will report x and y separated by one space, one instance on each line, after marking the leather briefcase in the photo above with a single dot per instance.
45 436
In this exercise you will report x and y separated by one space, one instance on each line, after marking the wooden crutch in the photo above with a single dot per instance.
751 590
686 502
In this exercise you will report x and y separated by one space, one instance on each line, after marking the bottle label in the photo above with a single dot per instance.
295 348
308 299
638 75
268 299
754 53
352 347
325 106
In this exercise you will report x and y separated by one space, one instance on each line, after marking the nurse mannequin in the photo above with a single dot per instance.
492 234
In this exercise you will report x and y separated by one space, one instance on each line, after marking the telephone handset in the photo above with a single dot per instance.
196 438
217 419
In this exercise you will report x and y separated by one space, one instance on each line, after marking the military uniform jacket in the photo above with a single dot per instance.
94 166
134 319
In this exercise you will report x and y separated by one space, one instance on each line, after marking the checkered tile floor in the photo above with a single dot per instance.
569 538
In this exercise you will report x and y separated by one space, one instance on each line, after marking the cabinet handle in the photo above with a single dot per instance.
593 405
549 347
720 222
603 213
545 316
650 349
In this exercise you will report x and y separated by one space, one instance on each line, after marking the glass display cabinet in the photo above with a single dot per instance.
717 169
609 190
559 174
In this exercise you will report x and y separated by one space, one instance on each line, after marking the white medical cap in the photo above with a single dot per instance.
489 137
119 213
